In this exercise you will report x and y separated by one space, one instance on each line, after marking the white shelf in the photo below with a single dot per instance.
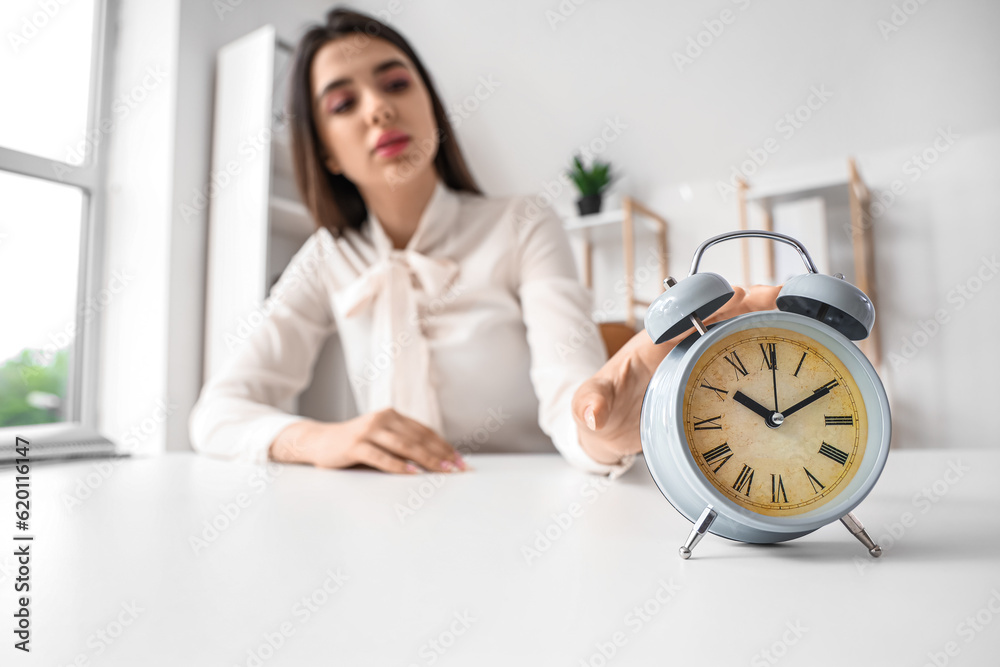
599 219
833 193
281 151
827 180
258 224
238 215
573 223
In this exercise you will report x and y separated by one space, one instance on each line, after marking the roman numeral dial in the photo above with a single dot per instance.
839 420
834 454
718 455
778 494
744 480
734 360
710 424
774 421
721 393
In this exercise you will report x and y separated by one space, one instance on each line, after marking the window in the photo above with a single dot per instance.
54 120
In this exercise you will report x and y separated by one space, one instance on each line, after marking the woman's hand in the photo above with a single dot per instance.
606 407
384 440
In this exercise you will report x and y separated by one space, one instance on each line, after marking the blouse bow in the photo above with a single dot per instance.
400 367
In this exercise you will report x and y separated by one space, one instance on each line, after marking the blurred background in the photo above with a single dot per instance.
135 257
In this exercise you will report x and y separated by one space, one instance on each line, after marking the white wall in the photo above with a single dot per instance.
556 83
553 85
133 403
159 157
204 28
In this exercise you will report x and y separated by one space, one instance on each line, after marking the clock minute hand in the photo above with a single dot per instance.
774 376
816 395
745 400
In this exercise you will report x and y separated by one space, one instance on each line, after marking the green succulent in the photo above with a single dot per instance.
591 181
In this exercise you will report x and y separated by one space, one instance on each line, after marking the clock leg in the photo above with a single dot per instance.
698 531
858 531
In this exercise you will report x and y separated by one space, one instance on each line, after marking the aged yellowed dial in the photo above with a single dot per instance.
774 421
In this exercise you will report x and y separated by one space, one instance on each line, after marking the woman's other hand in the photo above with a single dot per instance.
385 440
606 407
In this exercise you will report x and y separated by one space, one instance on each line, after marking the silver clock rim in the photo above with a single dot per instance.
682 483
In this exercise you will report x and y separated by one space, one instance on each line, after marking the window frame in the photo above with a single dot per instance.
91 178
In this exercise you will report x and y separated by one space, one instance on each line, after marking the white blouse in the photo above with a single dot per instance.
479 329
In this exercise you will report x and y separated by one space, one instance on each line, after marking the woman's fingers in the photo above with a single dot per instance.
396 440
604 405
426 437
748 300
735 306
593 401
762 297
372 455
608 405
384 440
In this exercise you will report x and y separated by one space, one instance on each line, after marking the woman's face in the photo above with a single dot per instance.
367 92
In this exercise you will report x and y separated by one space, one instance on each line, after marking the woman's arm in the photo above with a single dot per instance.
238 414
606 407
566 345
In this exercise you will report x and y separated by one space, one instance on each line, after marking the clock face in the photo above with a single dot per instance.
774 421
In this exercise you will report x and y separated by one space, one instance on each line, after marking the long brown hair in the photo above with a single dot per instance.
334 201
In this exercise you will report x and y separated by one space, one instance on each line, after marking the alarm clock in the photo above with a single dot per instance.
765 427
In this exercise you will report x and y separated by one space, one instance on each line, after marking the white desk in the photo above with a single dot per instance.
454 573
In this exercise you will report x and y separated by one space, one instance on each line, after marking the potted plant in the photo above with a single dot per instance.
591 183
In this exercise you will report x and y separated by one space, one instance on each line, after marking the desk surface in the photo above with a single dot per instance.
523 559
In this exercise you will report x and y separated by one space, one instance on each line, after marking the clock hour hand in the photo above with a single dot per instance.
816 395
745 400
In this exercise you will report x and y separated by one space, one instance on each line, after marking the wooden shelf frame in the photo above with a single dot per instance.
632 211
862 241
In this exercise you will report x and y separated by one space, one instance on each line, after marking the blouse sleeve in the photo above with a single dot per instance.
566 345
239 413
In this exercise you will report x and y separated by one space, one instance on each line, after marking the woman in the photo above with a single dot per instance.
463 322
